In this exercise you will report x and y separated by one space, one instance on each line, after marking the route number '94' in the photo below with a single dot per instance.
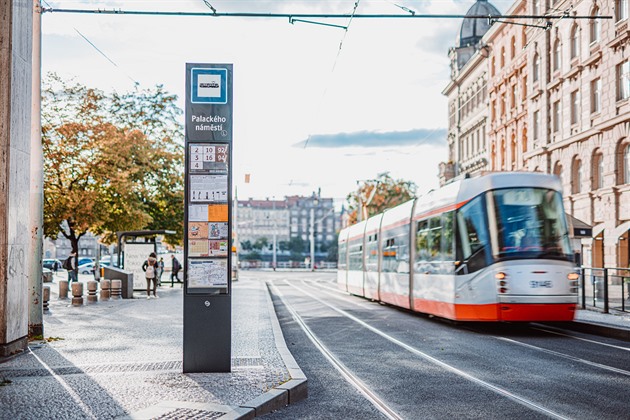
537 284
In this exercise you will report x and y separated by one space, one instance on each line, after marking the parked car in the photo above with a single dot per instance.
87 268
50 262
47 275
85 260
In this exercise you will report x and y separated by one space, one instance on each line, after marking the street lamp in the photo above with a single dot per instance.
314 203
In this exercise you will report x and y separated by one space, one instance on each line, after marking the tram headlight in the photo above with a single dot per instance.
573 276
500 275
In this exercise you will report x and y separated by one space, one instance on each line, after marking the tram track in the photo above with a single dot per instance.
499 390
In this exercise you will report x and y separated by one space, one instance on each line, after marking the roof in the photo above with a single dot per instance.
472 30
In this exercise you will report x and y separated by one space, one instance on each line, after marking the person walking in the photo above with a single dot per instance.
175 267
150 272
70 264
160 270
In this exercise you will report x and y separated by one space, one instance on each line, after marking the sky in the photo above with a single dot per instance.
316 108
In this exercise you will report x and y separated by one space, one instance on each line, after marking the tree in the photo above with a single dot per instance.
111 162
378 195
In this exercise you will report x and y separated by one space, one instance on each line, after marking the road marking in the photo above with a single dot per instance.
566 356
495 388
583 339
378 403
77 399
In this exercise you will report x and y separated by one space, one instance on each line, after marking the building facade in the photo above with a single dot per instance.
301 220
559 102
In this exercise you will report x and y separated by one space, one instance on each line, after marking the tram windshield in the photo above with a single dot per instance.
530 223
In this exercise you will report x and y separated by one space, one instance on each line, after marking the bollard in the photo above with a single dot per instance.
46 298
63 289
116 289
92 285
105 291
77 294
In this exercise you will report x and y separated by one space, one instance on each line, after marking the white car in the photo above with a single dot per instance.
87 268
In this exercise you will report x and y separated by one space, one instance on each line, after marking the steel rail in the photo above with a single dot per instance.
495 388
376 401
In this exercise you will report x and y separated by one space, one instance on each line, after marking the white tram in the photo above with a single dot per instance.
490 248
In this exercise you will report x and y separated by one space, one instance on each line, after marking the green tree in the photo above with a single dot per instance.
378 195
111 162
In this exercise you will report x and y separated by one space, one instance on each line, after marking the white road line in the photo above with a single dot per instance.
566 356
583 339
495 388
345 372
64 384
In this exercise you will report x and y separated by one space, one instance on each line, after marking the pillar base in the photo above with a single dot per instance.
13 347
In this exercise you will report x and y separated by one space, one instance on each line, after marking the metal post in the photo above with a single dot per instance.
312 237
583 273
605 290
274 260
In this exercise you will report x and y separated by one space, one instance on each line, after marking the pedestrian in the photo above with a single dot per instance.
150 272
175 267
160 270
97 271
55 266
70 264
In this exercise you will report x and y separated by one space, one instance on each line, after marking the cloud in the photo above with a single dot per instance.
420 136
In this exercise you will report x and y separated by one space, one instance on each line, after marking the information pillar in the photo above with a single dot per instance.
208 217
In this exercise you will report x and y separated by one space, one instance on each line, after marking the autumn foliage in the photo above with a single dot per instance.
378 195
111 162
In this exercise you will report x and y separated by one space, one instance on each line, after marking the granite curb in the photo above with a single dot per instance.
609 331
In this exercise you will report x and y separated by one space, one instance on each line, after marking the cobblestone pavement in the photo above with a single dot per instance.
112 359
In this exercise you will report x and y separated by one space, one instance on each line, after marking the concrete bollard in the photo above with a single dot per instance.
105 289
63 289
116 290
46 298
92 285
77 294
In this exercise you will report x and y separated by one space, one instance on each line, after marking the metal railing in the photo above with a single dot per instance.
605 288
286 265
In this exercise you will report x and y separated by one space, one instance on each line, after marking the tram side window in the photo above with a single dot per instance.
448 245
435 238
473 234
343 254
395 243
371 249
356 257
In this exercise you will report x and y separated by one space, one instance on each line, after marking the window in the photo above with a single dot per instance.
623 80
598 170
595 27
536 126
473 241
492 65
596 100
557 115
576 178
536 7
556 58
575 41
502 57
536 68
575 106
513 96
621 10
513 48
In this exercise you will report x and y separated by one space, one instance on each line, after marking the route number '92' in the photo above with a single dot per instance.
537 284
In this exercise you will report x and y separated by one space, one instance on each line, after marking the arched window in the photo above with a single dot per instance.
595 26
536 68
513 48
575 41
623 163
557 56
492 65
503 154
597 170
524 39
513 152
502 57
576 176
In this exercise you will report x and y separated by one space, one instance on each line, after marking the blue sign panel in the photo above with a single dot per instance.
209 86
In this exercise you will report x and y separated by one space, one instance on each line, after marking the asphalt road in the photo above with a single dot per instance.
365 360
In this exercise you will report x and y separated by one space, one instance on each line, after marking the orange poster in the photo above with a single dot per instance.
217 213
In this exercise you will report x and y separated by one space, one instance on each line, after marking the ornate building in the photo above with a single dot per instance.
559 102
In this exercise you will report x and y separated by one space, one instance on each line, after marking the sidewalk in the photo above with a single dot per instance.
123 359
